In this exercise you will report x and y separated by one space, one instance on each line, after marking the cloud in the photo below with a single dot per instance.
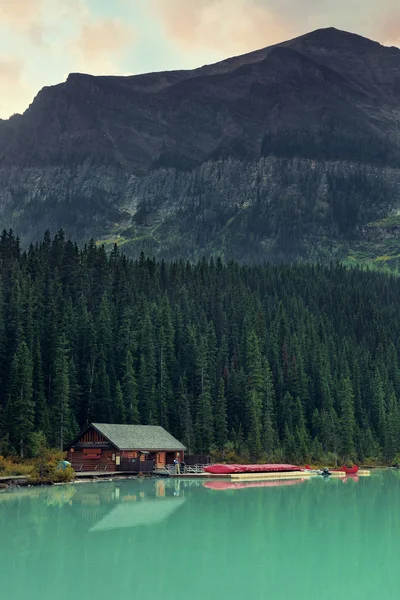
229 25
63 35
235 26
13 92
23 16
20 13
101 42
389 28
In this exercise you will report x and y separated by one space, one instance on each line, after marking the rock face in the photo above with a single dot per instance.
272 155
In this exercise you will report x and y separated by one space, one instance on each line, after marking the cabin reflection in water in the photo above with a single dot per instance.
115 506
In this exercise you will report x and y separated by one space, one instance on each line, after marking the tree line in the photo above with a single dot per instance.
280 363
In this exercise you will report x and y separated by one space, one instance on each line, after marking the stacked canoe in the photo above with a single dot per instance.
220 469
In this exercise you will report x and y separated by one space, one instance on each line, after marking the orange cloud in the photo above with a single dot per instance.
389 31
232 26
100 45
23 16
20 13
101 37
238 26
12 91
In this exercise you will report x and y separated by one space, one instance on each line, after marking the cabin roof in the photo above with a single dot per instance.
138 437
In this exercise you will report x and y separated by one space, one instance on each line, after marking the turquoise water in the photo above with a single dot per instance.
175 540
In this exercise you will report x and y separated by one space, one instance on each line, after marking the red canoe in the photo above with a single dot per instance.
229 469
349 470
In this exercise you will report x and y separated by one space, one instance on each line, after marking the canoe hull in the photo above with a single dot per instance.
221 469
348 470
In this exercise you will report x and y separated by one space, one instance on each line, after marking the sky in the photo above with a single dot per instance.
42 41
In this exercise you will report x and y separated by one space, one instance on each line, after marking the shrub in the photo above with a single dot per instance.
9 467
47 469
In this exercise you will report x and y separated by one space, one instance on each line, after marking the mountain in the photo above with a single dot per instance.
291 151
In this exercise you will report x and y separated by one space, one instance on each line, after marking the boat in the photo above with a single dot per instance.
221 469
348 470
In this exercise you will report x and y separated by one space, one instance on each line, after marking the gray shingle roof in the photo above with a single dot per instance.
139 437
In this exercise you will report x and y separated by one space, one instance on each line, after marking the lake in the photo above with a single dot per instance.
181 539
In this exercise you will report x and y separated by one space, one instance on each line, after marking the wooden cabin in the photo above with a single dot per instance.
104 446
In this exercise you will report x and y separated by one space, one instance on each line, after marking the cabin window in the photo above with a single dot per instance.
93 454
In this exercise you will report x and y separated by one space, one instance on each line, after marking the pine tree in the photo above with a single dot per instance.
270 441
185 416
20 406
147 374
130 391
42 418
347 420
254 395
378 405
164 391
119 407
221 420
392 433
63 424
204 422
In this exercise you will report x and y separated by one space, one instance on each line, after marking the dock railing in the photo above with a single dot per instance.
184 470
89 467
195 469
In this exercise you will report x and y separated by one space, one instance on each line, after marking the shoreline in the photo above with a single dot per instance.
11 481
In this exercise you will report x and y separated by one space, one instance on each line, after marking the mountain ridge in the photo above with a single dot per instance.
148 159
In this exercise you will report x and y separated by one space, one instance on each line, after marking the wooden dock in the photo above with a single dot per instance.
103 475
266 476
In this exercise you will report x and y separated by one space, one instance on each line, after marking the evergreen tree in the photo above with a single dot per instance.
130 391
221 420
185 416
20 407
270 441
63 426
42 418
147 374
254 395
392 433
347 420
119 406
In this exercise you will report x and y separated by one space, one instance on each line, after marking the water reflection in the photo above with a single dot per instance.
172 539
116 506
241 485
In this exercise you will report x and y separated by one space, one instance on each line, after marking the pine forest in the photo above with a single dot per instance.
265 363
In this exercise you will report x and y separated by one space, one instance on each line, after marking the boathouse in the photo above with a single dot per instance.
103 446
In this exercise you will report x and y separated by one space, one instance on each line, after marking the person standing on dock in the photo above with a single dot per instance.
177 466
